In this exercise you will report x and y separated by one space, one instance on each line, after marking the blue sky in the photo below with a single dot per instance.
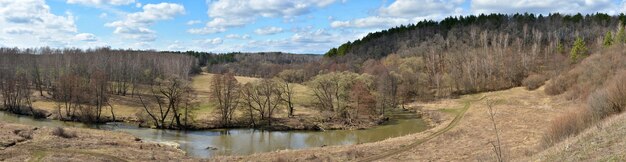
298 26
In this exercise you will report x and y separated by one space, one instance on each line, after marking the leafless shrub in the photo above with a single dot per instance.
26 134
610 100
534 81
497 145
567 125
61 132
558 85
435 116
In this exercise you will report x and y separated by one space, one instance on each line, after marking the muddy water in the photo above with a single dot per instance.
208 143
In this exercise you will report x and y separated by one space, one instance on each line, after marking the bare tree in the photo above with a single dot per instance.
497 145
225 92
287 93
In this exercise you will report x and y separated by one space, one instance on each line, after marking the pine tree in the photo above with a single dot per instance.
579 49
560 48
608 39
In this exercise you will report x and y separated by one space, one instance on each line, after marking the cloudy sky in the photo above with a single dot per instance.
299 26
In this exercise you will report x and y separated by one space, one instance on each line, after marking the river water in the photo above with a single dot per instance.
244 141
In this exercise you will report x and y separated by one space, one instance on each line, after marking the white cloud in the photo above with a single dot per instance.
176 46
228 22
371 22
544 6
101 2
236 13
193 22
206 30
404 12
18 31
419 8
265 8
214 41
268 30
237 36
33 18
316 36
87 37
136 25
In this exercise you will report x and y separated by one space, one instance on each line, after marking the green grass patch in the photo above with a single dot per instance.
450 111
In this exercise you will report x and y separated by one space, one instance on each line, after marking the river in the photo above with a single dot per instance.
207 143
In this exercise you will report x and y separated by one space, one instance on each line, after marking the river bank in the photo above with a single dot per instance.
296 123
32 143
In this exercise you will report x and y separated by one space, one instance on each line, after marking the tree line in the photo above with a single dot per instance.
82 81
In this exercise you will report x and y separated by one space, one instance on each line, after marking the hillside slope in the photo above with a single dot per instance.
465 31
603 142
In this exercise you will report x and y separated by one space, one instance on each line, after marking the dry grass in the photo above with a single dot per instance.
91 145
602 142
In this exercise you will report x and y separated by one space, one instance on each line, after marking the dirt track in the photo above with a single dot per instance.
452 124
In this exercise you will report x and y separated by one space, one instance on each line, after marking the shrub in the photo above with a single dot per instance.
534 81
558 85
61 132
610 100
567 125
26 134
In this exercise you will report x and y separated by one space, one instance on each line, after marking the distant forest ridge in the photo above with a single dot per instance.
214 61
397 39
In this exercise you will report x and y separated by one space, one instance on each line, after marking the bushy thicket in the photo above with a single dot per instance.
600 80
264 64
567 125
534 81
62 132
589 75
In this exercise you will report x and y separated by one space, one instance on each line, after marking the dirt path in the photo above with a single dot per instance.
452 124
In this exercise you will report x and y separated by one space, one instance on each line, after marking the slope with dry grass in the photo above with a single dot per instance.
602 142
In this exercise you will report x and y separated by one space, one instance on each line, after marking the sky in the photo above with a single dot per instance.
296 26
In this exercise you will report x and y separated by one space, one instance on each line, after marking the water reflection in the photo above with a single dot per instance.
208 143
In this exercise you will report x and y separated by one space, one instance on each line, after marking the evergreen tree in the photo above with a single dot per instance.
331 53
579 49
608 39
560 48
